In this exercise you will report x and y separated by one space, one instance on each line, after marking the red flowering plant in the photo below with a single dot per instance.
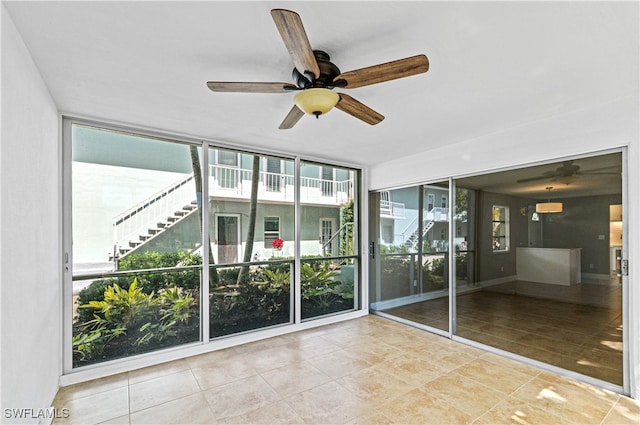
277 244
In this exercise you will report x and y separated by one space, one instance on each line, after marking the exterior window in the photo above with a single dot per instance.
443 202
431 201
271 230
500 233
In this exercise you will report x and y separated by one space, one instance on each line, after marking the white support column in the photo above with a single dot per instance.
204 288
296 290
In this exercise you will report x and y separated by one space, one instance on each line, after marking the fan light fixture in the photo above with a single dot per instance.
316 101
549 207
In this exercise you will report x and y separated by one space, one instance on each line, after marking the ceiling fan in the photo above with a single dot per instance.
568 172
315 77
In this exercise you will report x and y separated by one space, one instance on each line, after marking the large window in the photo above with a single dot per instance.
500 228
156 224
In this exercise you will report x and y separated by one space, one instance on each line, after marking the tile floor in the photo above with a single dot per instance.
364 371
579 330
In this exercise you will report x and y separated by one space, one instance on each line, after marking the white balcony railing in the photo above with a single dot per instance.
226 182
234 182
392 209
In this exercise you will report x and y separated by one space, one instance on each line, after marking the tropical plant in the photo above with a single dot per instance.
138 317
317 285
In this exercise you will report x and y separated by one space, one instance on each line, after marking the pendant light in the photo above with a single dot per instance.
549 207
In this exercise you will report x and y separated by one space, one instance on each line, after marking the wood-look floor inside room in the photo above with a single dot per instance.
364 371
578 327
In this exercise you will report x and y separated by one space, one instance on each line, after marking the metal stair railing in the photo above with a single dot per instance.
328 242
136 221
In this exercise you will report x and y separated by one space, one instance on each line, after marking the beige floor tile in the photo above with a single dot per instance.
227 370
121 420
375 386
339 363
329 403
465 394
344 337
260 345
92 387
419 407
411 368
493 375
511 364
273 358
314 347
240 397
571 400
295 378
374 418
625 411
156 371
159 390
96 408
373 351
278 413
214 357
365 371
516 412
192 409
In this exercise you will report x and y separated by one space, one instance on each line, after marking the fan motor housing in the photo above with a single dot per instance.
328 72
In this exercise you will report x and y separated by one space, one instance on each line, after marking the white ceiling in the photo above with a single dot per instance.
493 66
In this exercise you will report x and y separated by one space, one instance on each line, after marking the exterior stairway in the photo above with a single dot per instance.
152 233
412 241
153 216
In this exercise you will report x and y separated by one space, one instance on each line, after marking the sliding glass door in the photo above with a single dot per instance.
537 261
411 260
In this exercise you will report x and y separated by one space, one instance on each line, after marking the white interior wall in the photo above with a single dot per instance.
30 213
605 126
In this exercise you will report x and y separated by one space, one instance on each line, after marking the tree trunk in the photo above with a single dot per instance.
253 212
197 178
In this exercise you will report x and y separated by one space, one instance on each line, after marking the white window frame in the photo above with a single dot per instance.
270 233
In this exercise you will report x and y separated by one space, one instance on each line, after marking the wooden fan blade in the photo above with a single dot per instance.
384 72
239 87
292 118
359 110
295 39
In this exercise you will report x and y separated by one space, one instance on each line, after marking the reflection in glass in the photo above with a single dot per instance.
411 270
528 299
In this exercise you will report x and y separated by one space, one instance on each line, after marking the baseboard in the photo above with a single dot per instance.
497 281
597 279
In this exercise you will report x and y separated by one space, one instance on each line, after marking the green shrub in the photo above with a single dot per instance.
131 320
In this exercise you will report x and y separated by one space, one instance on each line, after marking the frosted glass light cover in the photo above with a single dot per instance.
316 101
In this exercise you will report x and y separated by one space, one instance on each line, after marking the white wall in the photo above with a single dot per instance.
608 125
30 268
